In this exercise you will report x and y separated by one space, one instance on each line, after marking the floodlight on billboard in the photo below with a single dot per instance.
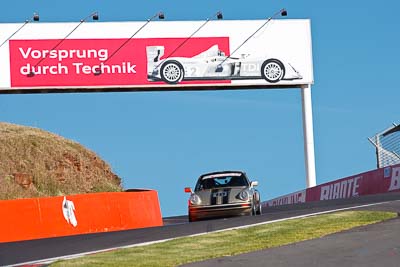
160 15
35 17
282 12
94 16
217 15
167 55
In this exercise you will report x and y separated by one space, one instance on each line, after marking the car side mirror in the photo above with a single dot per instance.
254 183
188 190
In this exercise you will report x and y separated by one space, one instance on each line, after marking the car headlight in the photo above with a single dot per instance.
195 199
243 195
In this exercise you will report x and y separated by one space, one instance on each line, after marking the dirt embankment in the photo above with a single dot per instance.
36 163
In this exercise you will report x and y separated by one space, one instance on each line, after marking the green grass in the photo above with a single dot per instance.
232 242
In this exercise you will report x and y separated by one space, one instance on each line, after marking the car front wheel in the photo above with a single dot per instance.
191 218
172 72
272 70
253 208
259 209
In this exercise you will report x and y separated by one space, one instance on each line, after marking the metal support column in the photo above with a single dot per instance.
308 136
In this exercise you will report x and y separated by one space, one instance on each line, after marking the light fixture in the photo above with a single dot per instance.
94 16
281 12
217 15
35 17
159 15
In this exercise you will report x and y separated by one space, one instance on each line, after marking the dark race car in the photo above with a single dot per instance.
223 194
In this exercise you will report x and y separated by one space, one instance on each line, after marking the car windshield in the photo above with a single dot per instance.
210 182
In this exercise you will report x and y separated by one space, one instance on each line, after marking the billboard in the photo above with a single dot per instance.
164 55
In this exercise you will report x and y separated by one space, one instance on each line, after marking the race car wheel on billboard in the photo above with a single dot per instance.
272 70
172 72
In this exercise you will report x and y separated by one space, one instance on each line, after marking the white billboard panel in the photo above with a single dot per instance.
164 55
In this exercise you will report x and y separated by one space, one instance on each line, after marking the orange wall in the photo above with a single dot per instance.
34 218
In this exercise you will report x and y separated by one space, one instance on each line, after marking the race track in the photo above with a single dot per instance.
16 253
371 245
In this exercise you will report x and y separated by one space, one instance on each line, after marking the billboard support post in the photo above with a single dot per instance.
308 135
158 60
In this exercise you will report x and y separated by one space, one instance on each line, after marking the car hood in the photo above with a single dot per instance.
219 196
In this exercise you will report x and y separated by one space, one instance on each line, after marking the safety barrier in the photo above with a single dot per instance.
378 181
35 218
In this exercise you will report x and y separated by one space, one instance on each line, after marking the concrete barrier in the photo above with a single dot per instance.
35 218
378 181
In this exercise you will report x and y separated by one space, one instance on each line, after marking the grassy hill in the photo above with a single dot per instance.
36 163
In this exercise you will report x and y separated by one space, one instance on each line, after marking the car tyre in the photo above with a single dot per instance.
259 210
191 219
253 209
272 70
172 72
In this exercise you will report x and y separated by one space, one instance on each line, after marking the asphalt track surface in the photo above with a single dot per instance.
15 253
371 245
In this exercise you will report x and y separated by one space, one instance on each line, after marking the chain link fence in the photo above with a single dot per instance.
387 145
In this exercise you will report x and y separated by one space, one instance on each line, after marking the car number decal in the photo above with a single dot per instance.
225 199
220 194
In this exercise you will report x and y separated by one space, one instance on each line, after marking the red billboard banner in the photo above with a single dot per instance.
156 56
378 181
104 62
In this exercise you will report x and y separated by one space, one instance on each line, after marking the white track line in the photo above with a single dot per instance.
78 255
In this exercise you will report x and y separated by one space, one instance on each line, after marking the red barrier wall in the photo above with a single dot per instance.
34 218
378 181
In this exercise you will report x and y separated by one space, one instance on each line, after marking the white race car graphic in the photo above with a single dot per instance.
213 64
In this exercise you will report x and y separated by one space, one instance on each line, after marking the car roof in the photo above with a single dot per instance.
221 174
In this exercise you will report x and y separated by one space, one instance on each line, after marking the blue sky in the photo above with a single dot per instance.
166 140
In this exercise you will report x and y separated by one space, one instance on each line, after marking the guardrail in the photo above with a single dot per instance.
378 181
35 218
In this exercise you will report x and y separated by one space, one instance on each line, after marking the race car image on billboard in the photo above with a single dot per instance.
213 64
